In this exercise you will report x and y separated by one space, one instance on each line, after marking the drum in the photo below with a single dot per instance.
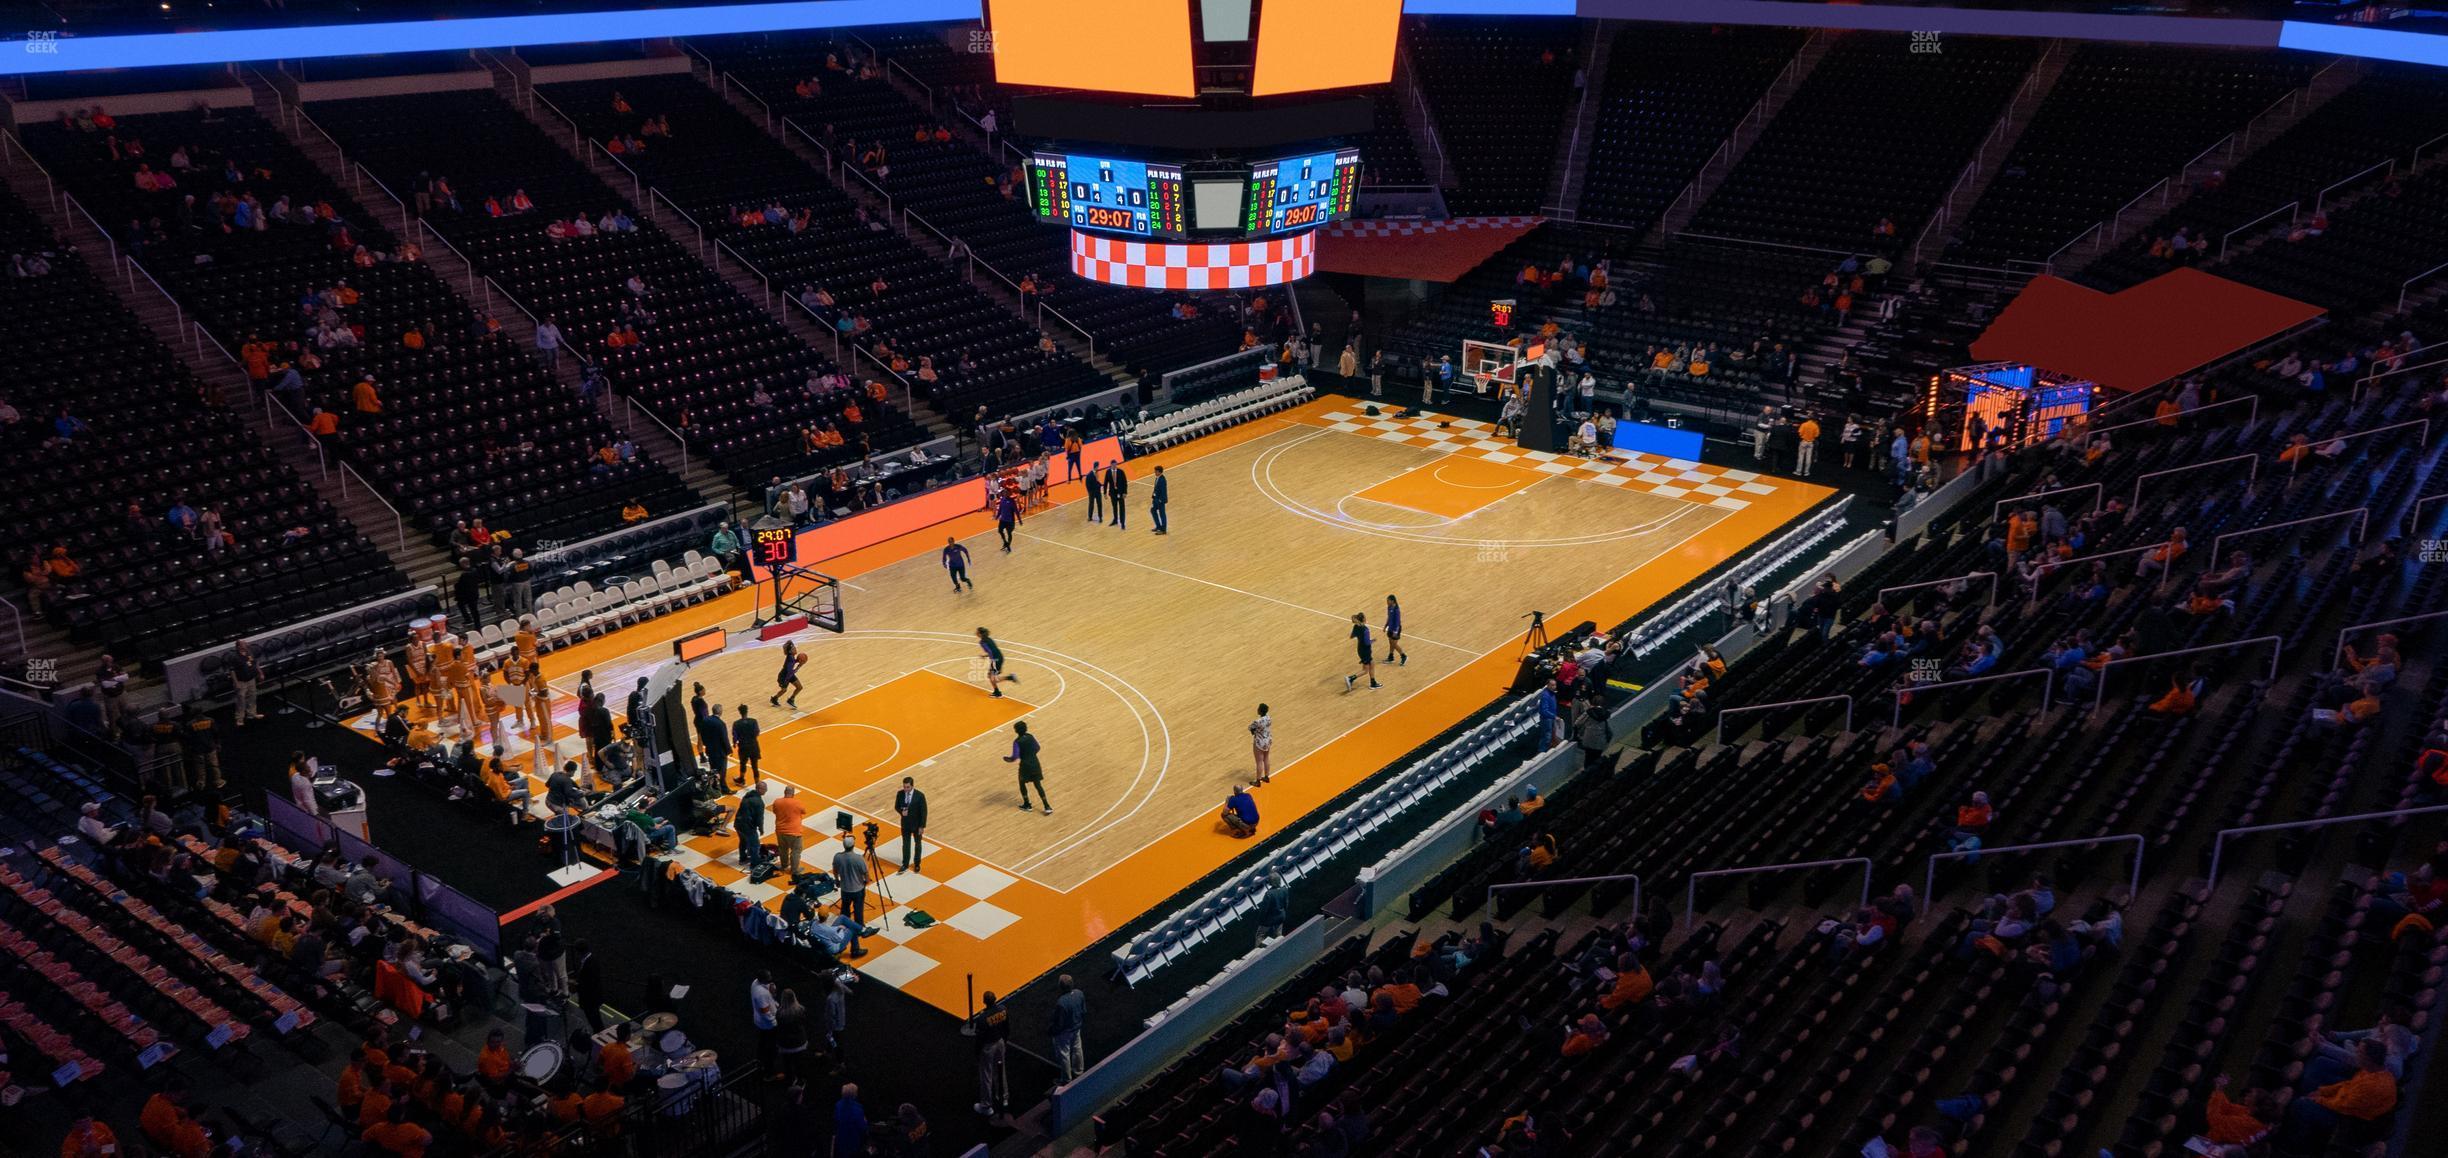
701 1066
673 1043
677 1094
660 1022
541 1062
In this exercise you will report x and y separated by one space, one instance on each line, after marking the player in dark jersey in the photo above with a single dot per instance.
956 561
1368 654
787 680
993 653
1393 629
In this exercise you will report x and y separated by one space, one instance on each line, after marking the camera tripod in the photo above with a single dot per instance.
877 877
1534 638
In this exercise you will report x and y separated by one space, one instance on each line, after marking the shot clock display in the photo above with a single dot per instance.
1150 199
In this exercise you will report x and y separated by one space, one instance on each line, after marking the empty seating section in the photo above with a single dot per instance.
962 192
459 422
1500 90
951 343
2038 1007
2383 117
2121 117
1877 131
145 440
690 348
1673 94
2361 261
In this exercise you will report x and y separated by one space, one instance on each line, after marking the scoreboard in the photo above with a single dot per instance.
1140 198
1299 192
1149 199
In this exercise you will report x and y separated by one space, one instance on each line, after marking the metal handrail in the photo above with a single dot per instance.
274 415
722 247
907 394
2408 287
2337 654
364 174
2251 400
17 619
69 199
1691 891
2097 497
1632 877
790 125
134 269
910 215
2362 528
2133 886
435 234
203 335
2416 159
922 86
711 69
632 410
2414 514
983 264
2218 844
2422 440
853 170
2293 210
751 95
10 146
1689 235
399 525
577 135
2252 475
2050 261
637 184
2048 688
1044 310
2376 373
2099 692
702 248
1723 713
1992 576
2321 198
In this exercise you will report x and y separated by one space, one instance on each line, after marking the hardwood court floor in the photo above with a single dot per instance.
1141 659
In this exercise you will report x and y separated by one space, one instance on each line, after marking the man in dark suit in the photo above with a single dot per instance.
1117 486
910 805
1156 501
1095 479
744 742
716 740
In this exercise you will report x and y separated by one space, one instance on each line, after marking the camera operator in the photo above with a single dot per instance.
850 872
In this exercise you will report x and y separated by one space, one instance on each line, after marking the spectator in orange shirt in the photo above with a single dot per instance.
789 828
169 1127
2367 1095
493 1063
363 397
1587 1034
602 1109
88 1139
397 1136
619 1065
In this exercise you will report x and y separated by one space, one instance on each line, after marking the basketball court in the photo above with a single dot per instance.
1141 659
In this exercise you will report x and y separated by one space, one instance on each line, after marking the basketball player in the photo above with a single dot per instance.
1262 745
956 561
1024 753
1368 654
1393 628
744 742
994 663
1007 516
787 680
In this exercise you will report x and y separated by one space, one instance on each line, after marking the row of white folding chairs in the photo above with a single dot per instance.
580 612
1168 431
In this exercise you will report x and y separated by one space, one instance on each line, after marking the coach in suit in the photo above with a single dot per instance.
744 741
716 740
1095 480
1117 488
910 805
1156 500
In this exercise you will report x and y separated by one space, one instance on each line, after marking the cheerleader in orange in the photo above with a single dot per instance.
382 683
539 708
526 643
421 672
492 699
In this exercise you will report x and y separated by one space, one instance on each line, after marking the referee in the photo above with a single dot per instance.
993 653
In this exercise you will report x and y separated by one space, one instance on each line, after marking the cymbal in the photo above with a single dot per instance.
696 1061
658 1022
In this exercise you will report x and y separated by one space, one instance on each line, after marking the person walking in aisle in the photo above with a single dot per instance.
850 872
1070 1015
956 561
910 805
1024 753
1157 494
1262 744
1368 653
786 680
1393 628
992 657
1117 487
1096 494
744 745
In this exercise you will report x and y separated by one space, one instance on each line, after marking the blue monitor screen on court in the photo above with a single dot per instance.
1663 441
